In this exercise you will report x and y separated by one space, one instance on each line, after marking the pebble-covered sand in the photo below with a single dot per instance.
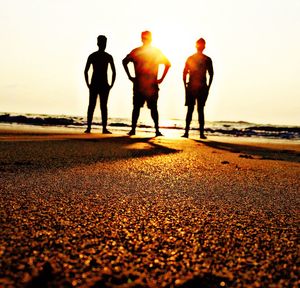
113 211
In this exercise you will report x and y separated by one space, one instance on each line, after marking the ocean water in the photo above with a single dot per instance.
172 127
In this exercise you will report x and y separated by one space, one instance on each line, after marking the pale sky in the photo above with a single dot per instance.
254 45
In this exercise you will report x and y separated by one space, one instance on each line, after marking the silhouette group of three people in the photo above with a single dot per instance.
146 60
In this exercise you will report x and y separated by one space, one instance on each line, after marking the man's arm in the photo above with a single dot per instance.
210 70
113 69
185 72
125 62
86 72
167 67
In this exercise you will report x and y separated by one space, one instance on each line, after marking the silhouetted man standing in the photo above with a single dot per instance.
146 60
197 66
99 84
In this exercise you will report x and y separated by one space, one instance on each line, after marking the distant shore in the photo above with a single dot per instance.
173 127
94 210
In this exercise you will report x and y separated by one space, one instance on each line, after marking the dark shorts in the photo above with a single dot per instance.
192 95
103 93
101 90
150 96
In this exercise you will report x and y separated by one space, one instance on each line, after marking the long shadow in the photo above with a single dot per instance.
74 151
252 151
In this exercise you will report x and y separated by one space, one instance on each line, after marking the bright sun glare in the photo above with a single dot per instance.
175 44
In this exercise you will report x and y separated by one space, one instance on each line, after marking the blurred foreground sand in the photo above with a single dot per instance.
115 211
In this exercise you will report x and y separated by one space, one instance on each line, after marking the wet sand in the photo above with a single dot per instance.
115 211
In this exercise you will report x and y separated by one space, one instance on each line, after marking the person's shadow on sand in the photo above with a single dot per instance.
127 147
254 152
64 151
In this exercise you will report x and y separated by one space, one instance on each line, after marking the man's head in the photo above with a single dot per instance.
101 42
200 44
146 37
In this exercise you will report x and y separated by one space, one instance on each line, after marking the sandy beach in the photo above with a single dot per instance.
99 210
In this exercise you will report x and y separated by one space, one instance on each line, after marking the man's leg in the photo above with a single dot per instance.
134 119
201 120
188 120
103 108
91 108
154 115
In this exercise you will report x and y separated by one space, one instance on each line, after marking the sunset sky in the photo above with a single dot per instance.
254 45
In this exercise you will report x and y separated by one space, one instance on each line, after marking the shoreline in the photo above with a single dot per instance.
171 127
6 129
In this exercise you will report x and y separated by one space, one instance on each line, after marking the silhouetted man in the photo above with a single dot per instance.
99 84
146 60
197 66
